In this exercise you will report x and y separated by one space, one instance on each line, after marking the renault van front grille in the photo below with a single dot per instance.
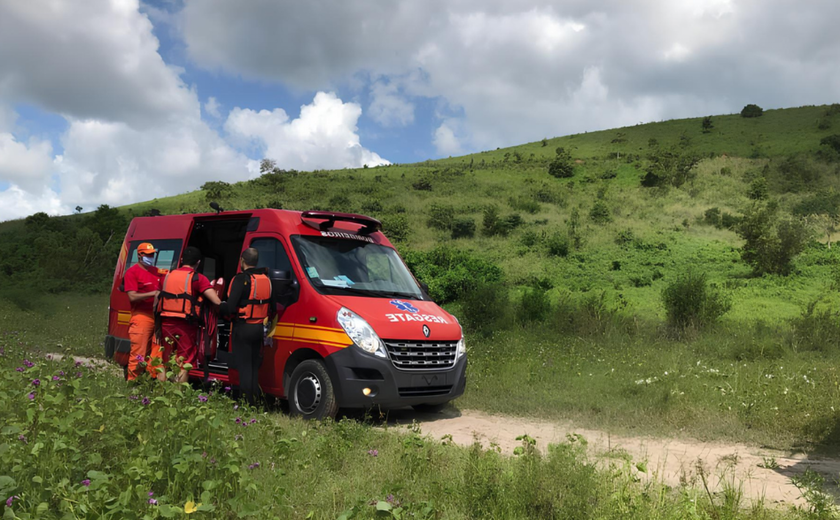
422 355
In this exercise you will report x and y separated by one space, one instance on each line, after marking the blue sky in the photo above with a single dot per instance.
116 101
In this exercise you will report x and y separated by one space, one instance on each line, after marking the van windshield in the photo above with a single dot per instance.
355 268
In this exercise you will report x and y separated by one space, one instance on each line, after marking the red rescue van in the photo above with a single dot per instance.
355 328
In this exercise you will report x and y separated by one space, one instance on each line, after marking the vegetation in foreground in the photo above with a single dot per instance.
78 442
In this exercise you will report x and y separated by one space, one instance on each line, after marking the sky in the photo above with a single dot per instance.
119 101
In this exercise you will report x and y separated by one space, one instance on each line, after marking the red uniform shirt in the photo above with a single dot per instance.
142 279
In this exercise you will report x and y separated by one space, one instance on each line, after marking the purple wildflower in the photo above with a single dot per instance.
238 420
146 401
61 373
204 455
56 378
227 389
10 500
22 438
138 357
202 398
78 374
36 382
29 364
213 460
151 493
86 482
254 465
134 397
2 352
78 363
373 453
31 396
390 499
49 356
153 501
252 421
19 369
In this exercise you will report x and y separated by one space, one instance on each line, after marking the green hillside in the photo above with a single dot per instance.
633 241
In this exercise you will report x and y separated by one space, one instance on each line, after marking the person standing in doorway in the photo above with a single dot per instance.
142 284
182 293
248 304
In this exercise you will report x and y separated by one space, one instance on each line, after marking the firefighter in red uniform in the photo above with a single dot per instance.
142 284
183 291
248 304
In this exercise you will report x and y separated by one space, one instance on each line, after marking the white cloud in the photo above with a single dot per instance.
324 136
27 166
513 71
212 107
115 164
445 140
95 59
17 203
388 107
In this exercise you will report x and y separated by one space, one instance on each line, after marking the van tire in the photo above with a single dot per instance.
311 394
430 408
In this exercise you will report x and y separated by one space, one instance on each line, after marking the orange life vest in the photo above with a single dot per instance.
176 297
256 307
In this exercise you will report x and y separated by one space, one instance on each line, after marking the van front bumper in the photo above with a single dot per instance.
353 370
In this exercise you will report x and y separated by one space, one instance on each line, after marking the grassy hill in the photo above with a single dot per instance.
643 239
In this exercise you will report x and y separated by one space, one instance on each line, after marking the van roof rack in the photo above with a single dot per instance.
369 224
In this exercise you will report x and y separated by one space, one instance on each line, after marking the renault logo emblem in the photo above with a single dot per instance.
426 331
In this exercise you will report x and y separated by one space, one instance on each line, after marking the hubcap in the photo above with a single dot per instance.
308 393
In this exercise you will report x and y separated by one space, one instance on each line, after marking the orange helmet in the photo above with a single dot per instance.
146 248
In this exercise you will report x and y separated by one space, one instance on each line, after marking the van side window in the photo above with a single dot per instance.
169 253
272 255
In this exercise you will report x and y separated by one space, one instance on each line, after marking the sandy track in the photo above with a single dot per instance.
668 460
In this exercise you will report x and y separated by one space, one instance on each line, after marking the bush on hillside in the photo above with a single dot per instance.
423 184
562 166
669 168
463 228
752 111
824 202
600 213
396 228
758 189
216 190
451 273
441 216
533 306
771 243
485 308
690 302
558 245
832 141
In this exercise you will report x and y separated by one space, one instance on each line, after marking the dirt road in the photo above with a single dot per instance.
671 461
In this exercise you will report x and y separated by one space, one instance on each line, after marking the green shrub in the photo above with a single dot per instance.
624 237
463 227
600 213
216 190
557 244
690 302
770 243
711 217
529 238
340 203
815 329
372 206
396 228
485 308
562 166
523 204
422 184
451 273
824 202
533 306
752 111
758 189
441 216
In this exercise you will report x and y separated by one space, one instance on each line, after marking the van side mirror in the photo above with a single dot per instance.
285 288
425 287
280 278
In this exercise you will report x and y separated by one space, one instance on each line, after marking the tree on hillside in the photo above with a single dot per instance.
770 242
752 111
668 168
216 190
707 124
79 209
832 141
562 166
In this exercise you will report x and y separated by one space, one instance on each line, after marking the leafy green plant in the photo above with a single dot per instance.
690 302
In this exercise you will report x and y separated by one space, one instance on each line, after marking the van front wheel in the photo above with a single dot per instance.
311 393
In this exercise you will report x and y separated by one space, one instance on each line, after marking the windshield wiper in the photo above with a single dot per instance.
375 293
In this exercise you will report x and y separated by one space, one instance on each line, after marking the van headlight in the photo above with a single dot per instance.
461 348
360 332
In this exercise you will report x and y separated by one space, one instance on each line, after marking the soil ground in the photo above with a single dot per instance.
761 473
